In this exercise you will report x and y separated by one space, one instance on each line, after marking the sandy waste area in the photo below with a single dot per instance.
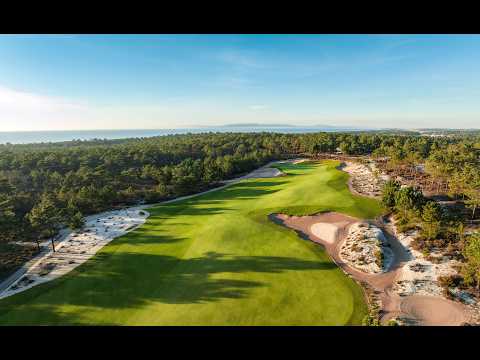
78 247
362 179
419 277
361 245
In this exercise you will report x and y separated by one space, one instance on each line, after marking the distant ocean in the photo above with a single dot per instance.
27 137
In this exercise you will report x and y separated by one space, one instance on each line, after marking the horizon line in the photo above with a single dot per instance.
241 125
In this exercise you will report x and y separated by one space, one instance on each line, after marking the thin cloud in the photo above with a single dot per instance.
235 82
241 59
15 99
258 107
21 110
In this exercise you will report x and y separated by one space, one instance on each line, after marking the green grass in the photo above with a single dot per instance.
213 260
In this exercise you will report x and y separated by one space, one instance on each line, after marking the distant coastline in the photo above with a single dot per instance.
28 137
256 125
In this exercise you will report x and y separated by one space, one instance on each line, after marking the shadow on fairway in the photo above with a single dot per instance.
188 210
242 190
132 280
292 169
245 190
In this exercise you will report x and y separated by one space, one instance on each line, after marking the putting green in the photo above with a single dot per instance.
213 260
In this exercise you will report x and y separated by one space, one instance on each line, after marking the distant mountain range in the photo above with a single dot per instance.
320 126
257 125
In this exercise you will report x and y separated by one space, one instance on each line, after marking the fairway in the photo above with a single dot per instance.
215 259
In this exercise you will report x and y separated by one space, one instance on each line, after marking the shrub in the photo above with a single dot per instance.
356 248
379 258
446 292
451 249
434 259
417 244
372 318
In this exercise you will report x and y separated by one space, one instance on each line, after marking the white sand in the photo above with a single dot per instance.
419 276
293 161
362 179
298 161
263 172
325 231
78 247
361 244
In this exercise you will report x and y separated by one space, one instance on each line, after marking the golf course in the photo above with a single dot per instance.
214 259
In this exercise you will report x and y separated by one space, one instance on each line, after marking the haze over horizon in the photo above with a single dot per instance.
87 82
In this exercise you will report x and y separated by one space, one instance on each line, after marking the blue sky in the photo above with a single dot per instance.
54 82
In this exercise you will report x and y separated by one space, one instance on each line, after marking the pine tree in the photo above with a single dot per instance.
45 218
431 214
408 198
389 192
76 221
471 269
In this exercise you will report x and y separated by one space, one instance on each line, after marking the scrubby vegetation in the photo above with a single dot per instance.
439 230
373 316
471 270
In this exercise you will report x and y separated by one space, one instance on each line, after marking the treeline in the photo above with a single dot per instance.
46 186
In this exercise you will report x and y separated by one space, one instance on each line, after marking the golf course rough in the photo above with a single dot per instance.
214 260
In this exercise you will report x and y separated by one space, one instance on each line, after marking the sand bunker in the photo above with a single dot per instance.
266 172
325 231
431 311
78 247
325 228
298 161
294 161
263 172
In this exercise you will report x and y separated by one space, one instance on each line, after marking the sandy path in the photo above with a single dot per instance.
419 310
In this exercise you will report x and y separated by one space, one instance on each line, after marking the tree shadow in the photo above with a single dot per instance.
293 169
339 183
187 210
246 190
132 280
148 236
